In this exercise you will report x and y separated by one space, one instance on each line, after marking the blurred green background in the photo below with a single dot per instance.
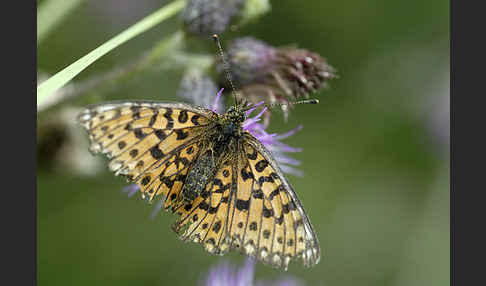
376 149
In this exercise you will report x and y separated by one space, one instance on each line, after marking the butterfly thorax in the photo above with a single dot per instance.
225 134
231 122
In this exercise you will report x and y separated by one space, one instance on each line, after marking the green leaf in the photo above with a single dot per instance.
48 87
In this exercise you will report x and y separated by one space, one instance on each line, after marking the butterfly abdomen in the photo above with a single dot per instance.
205 167
200 174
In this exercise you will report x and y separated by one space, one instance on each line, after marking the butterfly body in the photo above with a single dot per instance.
225 186
226 132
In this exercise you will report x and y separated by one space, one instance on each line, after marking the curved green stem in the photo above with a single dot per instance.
57 81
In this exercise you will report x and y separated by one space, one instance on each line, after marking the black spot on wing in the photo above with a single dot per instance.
279 220
168 116
266 233
275 192
264 179
218 182
182 116
246 175
121 144
253 155
139 133
242 205
217 226
194 119
153 118
156 152
257 194
160 134
136 112
213 210
133 153
145 180
204 206
267 212
261 165
181 134
167 181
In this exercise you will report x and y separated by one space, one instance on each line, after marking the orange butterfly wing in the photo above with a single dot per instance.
150 143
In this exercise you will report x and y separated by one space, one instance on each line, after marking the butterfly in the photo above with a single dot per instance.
226 187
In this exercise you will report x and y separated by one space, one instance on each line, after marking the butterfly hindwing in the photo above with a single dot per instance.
167 178
205 219
284 231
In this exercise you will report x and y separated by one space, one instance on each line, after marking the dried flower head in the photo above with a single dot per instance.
61 146
275 74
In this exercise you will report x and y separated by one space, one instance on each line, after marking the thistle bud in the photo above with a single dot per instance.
207 17
275 74
199 89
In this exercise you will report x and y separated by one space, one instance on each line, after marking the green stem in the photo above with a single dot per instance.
114 77
48 87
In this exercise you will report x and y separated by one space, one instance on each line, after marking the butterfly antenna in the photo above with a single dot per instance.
226 68
303 101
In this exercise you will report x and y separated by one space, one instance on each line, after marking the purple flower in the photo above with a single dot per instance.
130 189
133 188
226 274
272 141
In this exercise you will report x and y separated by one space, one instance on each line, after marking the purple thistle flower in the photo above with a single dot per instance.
226 274
130 189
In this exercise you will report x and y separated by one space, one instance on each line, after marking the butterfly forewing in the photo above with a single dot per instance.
145 138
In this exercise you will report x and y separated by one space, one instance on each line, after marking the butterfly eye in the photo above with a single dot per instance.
242 117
